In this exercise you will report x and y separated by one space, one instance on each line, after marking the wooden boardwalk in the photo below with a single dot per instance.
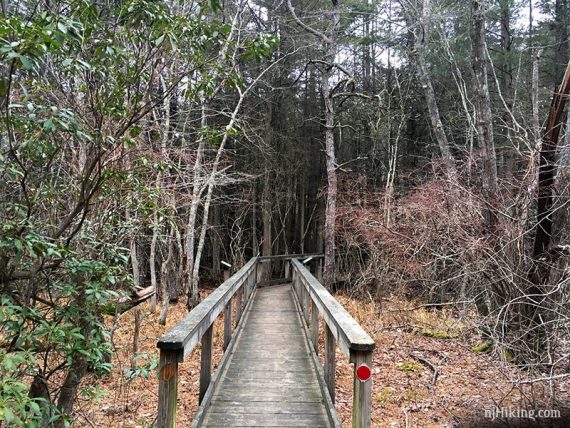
270 374
269 379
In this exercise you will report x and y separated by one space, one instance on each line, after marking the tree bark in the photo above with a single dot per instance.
191 286
562 49
484 118
66 399
420 37
330 209
266 245
215 241
547 170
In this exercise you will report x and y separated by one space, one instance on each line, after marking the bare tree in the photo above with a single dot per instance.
330 44
418 20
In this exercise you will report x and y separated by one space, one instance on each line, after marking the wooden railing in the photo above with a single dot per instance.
340 328
197 325
314 299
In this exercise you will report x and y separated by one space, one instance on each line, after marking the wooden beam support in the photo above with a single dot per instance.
206 362
227 324
315 327
330 361
306 303
239 304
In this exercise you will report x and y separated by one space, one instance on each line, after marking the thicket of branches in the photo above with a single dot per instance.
143 141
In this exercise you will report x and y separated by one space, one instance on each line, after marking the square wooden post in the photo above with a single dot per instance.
315 327
330 361
227 324
206 362
167 388
362 391
239 301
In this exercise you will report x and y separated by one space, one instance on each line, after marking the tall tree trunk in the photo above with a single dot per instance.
535 121
534 312
254 240
266 215
547 170
506 62
329 40
191 286
562 47
330 210
484 118
420 38
215 240
152 260
166 276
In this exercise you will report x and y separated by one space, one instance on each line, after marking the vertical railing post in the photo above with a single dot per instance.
239 300
206 362
258 271
362 391
320 271
306 304
330 361
315 327
253 281
167 388
295 283
287 269
227 324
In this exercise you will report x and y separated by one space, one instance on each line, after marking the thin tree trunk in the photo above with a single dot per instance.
152 261
562 48
506 65
254 241
136 335
166 277
330 209
191 286
267 208
484 118
420 39
75 373
266 245
535 121
215 241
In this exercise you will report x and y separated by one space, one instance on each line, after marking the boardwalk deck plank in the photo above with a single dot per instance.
270 379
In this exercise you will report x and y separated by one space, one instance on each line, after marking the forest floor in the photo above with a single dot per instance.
425 374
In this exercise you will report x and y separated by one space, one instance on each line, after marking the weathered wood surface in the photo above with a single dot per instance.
348 333
270 378
168 385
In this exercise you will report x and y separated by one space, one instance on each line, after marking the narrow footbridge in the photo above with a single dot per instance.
270 374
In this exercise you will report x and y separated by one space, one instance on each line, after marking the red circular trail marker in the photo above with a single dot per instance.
363 372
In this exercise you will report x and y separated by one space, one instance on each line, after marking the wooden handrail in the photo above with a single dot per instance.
290 256
197 325
340 328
